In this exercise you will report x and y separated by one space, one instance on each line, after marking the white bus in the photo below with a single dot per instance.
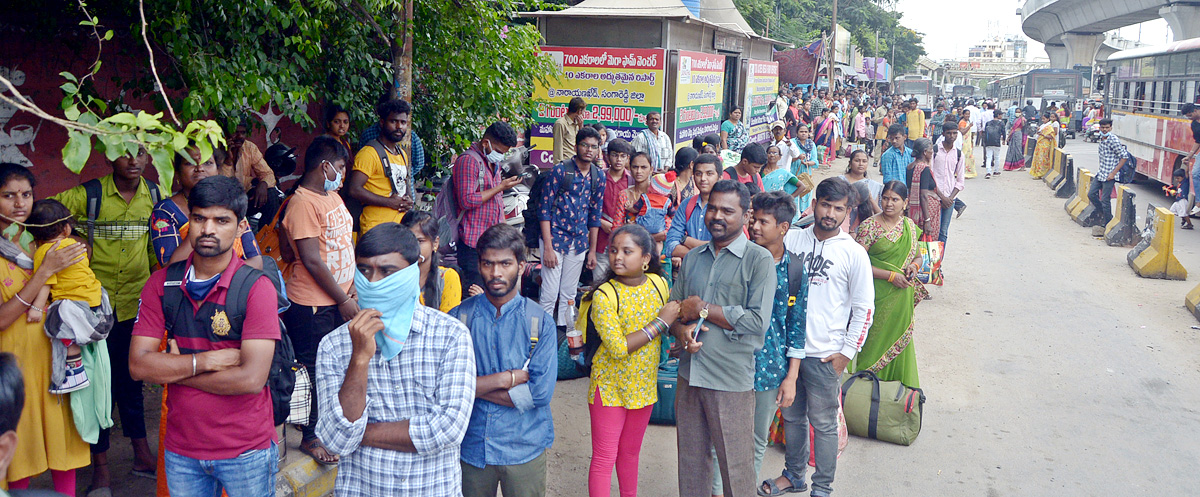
920 87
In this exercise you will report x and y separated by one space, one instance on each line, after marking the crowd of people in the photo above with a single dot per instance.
436 378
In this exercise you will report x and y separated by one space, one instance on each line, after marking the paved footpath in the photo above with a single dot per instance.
1050 368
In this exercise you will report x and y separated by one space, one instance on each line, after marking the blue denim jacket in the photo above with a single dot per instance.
682 226
500 435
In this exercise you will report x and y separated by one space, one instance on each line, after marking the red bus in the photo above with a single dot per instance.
1145 90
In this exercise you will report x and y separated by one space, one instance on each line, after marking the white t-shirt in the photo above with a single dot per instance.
840 291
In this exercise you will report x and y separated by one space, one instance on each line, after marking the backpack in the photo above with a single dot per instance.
731 171
270 245
691 207
352 204
591 338
533 226
1127 172
94 192
992 132
281 379
533 311
445 207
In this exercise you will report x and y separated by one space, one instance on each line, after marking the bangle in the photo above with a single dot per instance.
512 379
193 364
347 299
27 304
891 276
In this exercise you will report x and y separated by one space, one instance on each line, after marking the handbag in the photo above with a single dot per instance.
931 252
300 407
887 411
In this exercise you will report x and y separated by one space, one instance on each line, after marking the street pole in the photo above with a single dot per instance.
875 63
833 47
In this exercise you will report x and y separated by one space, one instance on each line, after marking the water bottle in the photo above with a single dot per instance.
574 336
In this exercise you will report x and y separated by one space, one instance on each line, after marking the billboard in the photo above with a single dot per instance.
620 87
762 86
699 90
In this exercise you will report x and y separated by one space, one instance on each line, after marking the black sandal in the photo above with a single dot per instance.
307 447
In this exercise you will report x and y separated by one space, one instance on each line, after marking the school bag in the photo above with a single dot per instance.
94 193
733 175
1127 172
584 321
445 207
992 132
281 378
352 204
533 226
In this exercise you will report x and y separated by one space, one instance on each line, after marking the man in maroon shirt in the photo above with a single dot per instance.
479 191
220 432
612 213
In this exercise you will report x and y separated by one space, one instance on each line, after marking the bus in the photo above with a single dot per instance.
919 87
1043 86
1145 88
963 91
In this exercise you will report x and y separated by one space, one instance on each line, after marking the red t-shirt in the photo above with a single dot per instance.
612 210
203 425
753 179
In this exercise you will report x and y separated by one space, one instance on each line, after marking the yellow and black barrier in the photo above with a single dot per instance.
1122 230
1154 256
1055 175
1082 208
1192 302
1066 187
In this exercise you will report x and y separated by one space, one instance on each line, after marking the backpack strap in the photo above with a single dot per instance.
691 206
239 290
384 163
155 195
660 284
535 322
173 298
796 278
94 192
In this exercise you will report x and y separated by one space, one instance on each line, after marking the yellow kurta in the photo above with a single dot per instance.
1043 158
46 436
624 379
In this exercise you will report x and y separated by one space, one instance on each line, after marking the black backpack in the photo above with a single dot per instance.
533 226
731 171
992 133
281 379
94 192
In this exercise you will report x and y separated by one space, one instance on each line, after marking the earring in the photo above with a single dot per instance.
645 266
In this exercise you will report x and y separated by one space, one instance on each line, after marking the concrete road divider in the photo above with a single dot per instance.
1122 230
1066 187
1154 256
1055 174
1192 302
1082 208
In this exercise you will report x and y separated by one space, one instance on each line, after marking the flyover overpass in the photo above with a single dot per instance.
1073 30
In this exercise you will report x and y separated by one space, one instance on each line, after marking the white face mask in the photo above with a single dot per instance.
493 156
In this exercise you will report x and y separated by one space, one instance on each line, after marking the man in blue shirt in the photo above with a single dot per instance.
687 227
516 358
570 221
895 161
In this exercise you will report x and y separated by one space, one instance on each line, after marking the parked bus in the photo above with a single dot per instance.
1144 90
920 87
1042 86
963 91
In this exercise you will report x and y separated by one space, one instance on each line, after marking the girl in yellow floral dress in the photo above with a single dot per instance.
630 312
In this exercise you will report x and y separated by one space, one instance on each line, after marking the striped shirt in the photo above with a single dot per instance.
431 383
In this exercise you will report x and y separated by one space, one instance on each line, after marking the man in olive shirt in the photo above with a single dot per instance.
727 288
565 128
121 259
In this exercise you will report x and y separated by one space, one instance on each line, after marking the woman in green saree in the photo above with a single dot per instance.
891 241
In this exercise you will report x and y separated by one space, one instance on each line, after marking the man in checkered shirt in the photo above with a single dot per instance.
1112 159
396 423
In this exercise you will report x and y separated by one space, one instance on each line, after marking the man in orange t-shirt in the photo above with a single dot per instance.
318 226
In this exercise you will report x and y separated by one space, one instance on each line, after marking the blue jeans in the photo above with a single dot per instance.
251 474
947 216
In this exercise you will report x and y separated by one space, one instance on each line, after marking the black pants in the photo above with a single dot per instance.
468 261
127 393
306 326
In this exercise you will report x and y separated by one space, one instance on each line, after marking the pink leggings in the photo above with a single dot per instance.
64 482
617 435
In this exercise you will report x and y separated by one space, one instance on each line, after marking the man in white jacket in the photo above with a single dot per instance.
840 291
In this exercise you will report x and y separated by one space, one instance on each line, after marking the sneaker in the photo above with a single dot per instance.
987 176
76 379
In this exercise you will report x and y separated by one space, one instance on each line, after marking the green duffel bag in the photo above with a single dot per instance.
882 410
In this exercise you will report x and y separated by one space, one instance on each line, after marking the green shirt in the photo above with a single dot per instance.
121 257
741 280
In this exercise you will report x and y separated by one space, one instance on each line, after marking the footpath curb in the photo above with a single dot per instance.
299 475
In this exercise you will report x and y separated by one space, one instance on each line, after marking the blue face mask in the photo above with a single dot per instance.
395 296
332 184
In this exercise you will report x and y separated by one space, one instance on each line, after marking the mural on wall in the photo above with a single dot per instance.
20 135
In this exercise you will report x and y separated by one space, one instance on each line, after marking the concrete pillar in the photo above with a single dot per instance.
1082 48
1058 56
1183 18
1105 51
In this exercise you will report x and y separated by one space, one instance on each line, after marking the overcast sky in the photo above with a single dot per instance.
952 27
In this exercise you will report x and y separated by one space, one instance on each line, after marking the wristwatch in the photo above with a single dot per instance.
704 311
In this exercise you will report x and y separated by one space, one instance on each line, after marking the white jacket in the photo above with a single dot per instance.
841 293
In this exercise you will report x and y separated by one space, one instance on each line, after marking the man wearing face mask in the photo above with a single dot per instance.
479 190
516 358
1112 159
397 382
220 316
318 226
840 291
